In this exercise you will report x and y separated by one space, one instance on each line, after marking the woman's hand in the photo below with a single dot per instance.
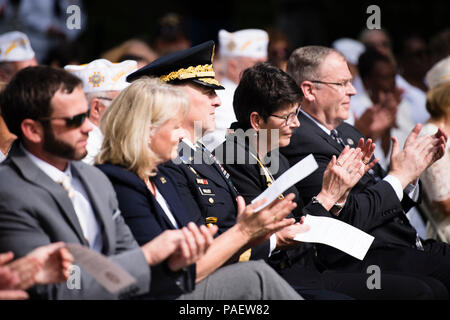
180 247
259 226
285 237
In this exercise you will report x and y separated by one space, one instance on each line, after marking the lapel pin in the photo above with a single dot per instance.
163 180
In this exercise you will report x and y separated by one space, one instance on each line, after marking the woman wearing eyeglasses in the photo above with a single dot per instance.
266 104
142 129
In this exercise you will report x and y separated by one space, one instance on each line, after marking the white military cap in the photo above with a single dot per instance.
15 46
350 48
103 75
251 43
438 74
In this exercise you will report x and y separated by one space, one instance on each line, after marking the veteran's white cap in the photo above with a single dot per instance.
350 48
251 43
103 75
438 74
15 46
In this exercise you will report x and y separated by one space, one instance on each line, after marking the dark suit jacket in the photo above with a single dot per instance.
207 192
146 219
372 205
36 211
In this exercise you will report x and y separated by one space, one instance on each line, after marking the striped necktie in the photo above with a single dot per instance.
336 137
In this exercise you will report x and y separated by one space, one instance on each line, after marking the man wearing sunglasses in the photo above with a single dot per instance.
102 82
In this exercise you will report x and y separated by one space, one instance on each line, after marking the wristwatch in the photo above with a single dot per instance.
314 200
337 207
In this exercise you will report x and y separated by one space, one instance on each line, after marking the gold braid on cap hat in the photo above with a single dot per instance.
210 81
191 72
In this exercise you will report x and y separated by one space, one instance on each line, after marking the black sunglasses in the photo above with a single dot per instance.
71 122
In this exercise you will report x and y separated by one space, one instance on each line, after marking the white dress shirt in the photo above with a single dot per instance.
2 157
165 206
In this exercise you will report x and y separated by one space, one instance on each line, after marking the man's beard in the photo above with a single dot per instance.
59 148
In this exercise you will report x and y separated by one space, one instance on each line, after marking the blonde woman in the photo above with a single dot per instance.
436 179
142 129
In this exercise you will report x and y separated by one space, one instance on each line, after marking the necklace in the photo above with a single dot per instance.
269 178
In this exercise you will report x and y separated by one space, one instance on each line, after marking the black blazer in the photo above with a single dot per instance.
372 205
207 192
146 219
250 181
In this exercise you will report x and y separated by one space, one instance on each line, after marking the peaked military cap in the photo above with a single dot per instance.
193 64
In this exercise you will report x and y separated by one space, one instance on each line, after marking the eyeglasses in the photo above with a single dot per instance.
343 84
290 118
71 122
105 98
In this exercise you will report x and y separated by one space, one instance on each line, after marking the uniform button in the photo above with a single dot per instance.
211 200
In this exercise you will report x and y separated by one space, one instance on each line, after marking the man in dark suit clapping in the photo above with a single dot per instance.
377 204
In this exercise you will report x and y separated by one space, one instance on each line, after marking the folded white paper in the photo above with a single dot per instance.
110 275
298 172
337 234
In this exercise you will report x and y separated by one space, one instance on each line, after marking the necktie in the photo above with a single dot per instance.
419 245
336 137
86 218
65 183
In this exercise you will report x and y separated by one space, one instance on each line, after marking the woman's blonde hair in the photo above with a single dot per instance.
438 100
145 105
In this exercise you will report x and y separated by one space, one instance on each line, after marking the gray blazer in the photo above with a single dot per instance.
35 211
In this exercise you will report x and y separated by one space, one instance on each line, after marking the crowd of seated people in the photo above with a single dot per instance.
116 155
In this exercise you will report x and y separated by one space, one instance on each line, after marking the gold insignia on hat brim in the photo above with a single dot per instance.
210 81
190 72
201 74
